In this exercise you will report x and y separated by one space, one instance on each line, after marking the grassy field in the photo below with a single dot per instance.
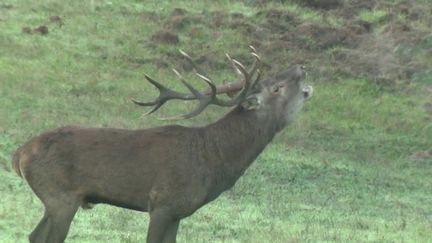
356 166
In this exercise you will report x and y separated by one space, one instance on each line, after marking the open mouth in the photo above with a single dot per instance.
307 91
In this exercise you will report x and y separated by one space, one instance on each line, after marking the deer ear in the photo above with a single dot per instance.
252 102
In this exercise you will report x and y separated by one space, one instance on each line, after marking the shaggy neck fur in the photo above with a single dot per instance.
237 139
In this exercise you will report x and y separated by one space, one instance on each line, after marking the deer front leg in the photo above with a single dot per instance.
171 233
162 228
41 231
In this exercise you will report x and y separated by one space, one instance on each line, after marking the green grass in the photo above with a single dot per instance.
373 16
343 172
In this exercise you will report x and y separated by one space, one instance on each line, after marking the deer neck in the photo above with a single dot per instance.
237 139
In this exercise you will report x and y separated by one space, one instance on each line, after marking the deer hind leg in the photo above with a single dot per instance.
54 226
162 228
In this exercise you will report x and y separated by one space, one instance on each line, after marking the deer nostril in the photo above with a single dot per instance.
307 92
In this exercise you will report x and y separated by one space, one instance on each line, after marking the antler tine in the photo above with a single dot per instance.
155 108
252 70
257 60
257 79
244 91
151 103
204 100
195 92
195 112
165 94
244 85
232 63
247 77
213 87
255 67
191 61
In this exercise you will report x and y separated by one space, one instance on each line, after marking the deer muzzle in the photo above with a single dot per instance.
307 91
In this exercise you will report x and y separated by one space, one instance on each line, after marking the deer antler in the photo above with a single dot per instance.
209 96
165 94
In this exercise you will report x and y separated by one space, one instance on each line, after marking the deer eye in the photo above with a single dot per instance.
275 88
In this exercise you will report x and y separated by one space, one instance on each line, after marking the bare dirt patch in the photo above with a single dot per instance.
165 37
422 155
323 37
322 4
353 48
41 30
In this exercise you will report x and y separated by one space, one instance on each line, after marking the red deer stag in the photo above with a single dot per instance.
168 171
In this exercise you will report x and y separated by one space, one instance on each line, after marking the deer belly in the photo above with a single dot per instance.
138 205
121 191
